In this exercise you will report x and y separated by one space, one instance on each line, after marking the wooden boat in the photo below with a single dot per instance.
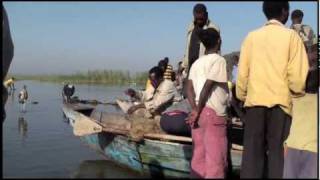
159 155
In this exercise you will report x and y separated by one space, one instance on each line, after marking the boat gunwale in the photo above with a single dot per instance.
187 140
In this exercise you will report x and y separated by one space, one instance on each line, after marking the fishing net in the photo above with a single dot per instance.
135 125
141 126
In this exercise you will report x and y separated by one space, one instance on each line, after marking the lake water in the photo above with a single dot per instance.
40 142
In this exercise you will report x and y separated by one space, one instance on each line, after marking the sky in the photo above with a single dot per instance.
68 37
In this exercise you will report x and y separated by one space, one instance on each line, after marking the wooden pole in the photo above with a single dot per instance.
168 137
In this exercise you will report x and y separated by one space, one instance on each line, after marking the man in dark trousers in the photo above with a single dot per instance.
7 55
273 68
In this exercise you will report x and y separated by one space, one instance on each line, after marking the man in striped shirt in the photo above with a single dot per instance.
166 68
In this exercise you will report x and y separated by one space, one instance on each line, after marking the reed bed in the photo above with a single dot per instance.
91 76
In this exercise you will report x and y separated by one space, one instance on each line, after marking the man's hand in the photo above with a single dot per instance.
132 109
135 107
130 92
192 119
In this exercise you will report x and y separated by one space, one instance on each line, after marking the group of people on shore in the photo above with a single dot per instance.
272 84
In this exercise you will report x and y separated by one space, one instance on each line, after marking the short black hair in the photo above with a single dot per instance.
273 9
163 63
209 37
199 8
297 14
166 59
157 71
173 76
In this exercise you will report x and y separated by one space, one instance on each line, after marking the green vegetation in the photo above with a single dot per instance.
92 76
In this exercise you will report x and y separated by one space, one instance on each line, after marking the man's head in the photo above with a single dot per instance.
24 87
200 15
155 76
297 16
236 59
13 78
278 10
163 64
166 60
210 38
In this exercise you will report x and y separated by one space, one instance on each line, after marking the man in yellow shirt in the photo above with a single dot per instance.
273 67
9 84
301 155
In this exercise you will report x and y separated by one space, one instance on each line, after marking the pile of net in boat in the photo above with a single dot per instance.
134 126
141 126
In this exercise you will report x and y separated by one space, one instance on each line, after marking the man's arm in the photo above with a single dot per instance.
185 62
191 95
243 70
204 95
298 65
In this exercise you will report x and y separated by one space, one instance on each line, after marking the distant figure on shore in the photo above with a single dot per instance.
7 55
305 31
23 97
67 92
9 84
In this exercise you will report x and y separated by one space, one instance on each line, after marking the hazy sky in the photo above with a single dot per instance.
64 37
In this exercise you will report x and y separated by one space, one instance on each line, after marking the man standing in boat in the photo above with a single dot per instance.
195 48
207 92
273 67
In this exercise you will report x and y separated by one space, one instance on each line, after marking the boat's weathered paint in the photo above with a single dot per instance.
167 159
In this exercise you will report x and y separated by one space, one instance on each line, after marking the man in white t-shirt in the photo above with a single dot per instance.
207 93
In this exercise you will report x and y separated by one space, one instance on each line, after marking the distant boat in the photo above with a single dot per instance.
159 155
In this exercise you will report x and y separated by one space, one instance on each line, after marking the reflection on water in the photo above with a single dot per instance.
23 127
101 169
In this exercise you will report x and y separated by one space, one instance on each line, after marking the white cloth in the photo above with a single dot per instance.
211 67
234 74
146 94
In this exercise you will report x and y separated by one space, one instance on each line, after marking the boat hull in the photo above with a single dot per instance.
154 157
